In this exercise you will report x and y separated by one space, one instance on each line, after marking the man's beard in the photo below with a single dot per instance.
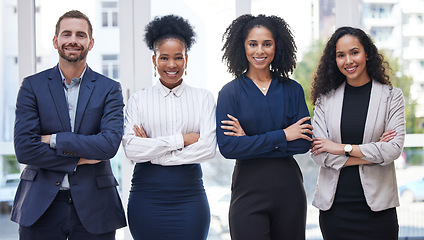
73 57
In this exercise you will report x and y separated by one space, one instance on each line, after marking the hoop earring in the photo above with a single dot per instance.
154 74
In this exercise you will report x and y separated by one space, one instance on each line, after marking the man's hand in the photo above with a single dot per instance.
83 161
46 139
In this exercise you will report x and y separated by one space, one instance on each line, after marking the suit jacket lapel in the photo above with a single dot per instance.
337 106
373 108
86 88
59 99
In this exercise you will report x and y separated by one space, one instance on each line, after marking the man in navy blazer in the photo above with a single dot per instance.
69 123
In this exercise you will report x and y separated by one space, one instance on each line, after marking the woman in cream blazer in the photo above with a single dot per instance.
351 66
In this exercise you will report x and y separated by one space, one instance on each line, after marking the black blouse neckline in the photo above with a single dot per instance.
359 88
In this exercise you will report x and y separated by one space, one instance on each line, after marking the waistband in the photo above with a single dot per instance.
64 196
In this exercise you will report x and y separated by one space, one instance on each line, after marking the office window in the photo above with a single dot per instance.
380 11
109 14
381 34
110 66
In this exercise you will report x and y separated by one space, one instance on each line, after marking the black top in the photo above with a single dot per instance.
354 115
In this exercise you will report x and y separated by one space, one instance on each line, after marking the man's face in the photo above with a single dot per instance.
73 41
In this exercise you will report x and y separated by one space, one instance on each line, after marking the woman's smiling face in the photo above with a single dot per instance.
170 59
351 60
260 48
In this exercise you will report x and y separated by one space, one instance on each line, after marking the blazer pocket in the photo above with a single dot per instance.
106 181
28 174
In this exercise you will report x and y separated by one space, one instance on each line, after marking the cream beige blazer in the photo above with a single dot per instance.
386 111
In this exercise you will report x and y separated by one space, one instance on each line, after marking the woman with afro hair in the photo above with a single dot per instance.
359 130
169 130
262 121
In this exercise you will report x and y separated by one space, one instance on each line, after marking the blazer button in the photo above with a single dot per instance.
57 183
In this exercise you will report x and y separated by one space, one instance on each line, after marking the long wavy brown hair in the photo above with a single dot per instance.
328 75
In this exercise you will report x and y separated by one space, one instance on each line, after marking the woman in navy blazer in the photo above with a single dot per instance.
359 130
262 121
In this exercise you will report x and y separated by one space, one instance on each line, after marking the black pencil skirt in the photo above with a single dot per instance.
355 220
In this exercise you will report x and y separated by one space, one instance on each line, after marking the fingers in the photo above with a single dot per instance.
83 161
302 120
139 131
387 136
306 128
230 134
306 137
232 118
233 126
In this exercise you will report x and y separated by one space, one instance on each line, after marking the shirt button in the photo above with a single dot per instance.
57 183
70 108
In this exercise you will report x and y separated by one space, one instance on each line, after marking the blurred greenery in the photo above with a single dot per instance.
414 155
11 165
305 70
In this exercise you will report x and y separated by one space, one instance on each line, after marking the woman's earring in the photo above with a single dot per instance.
185 71
154 74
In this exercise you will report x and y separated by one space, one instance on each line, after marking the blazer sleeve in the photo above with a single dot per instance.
27 135
384 153
104 144
325 159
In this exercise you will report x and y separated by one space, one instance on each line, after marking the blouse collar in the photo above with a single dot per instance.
177 91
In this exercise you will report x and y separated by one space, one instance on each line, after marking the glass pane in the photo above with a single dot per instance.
9 85
109 57
109 4
115 19
115 74
105 19
105 70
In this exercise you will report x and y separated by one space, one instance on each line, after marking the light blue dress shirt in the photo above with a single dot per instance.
71 94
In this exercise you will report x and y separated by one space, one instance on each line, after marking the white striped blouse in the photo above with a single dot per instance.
166 114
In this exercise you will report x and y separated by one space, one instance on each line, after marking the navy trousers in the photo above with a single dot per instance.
60 222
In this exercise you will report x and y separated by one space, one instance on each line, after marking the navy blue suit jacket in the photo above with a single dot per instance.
41 109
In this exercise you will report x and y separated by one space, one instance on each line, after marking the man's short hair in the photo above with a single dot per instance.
75 14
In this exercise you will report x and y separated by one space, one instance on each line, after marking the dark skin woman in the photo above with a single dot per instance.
262 121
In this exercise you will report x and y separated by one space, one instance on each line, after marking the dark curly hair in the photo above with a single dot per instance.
328 75
169 26
235 35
